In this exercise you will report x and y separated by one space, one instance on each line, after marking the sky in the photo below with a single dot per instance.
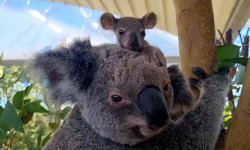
31 26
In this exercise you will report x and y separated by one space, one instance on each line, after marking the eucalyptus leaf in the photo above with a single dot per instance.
227 122
1 110
19 96
64 112
227 52
230 63
40 132
2 134
27 90
54 125
47 138
9 117
5 127
35 106
18 100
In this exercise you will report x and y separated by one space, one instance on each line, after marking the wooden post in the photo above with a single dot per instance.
196 33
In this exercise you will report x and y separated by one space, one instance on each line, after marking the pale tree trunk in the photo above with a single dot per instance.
196 33
238 134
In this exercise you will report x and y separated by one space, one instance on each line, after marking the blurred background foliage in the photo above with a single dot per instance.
28 118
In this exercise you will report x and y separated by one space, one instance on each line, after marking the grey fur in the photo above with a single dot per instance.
95 124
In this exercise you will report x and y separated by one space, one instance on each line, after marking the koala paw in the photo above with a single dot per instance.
218 80
198 83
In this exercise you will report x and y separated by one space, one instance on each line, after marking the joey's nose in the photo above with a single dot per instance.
134 42
152 104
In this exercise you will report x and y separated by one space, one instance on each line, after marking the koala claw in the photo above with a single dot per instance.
199 72
196 83
224 71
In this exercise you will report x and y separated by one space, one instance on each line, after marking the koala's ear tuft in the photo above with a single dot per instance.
149 20
83 64
68 68
107 21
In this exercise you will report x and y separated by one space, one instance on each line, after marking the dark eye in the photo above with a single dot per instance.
166 87
116 98
121 32
143 33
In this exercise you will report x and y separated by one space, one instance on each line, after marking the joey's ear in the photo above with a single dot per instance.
107 21
67 69
149 20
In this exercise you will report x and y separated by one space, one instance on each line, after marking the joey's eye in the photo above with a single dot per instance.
166 87
116 98
121 32
143 33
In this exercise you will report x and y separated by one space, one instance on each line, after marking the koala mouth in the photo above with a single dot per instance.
141 128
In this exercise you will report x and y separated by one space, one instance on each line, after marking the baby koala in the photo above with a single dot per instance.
130 31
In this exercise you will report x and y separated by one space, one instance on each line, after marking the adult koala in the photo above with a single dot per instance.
123 101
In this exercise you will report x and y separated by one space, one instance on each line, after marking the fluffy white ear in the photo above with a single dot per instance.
107 21
67 68
149 20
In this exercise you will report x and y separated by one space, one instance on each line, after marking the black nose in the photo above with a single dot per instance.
134 42
152 104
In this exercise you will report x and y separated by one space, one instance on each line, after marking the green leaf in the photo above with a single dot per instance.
40 132
47 138
64 112
227 52
26 101
18 100
230 63
240 75
230 106
5 127
35 107
54 125
227 121
19 96
1 110
27 90
2 134
9 117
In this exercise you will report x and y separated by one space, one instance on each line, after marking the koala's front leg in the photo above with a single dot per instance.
183 96
199 128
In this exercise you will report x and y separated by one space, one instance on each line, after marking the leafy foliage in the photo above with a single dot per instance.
28 118
228 56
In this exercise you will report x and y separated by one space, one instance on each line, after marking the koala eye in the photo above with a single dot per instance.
116 98
166 87
121 32
143 33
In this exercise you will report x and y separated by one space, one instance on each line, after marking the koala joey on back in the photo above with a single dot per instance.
130 31
118 106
